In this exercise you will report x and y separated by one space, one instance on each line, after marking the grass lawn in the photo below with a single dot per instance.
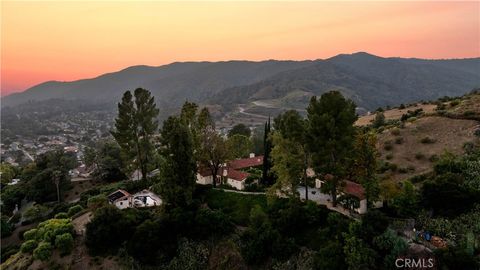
235 205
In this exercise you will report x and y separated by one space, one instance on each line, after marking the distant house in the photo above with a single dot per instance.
230 172
145 198
351 189
120 198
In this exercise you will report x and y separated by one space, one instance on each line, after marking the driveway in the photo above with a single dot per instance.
314 194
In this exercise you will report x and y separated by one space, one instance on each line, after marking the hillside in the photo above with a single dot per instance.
171 84
411 149
267 87
369 80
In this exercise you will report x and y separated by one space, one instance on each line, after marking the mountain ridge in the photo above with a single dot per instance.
369 80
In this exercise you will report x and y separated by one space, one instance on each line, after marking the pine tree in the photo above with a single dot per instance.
178 172
134 126
330 137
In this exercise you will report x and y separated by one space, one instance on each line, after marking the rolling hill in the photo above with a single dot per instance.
270 86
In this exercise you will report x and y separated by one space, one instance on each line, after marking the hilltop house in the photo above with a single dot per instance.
232 172
145 198
350 190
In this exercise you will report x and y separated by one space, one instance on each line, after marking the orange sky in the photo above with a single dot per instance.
65 41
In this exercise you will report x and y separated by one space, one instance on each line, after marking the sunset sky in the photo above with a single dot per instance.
65 41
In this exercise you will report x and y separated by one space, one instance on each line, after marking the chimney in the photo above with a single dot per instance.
252 155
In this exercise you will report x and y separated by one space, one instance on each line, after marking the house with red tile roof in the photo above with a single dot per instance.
231 172
351 189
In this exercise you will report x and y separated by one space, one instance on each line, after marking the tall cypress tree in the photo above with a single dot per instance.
135 124
267 178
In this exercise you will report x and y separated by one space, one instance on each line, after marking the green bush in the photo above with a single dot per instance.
97 201
43 252
419 156
64 243
454 103
388 146
395 131
30 234
433 158
235 205
28 246
393 167
389 156
427 140
61 215
402 170
74 209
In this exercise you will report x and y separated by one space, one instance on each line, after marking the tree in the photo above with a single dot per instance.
287 165
107 230
110 164
379 120
134 126
365 165
240 129
214 152
267 175
289 153
239 146
178 174
48 185
406 203
330 137
358 255
7 173
292 127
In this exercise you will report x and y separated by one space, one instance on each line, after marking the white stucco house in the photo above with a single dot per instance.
231 173
145 198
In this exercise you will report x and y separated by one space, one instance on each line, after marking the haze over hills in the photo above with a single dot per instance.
371 81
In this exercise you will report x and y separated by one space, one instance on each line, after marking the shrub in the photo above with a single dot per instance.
427 140
395 131
74 209
468 113
379 120
402 106
97 201
389 156
419 156
418 178
61 215
43 252
399 140
64 242
454 103
28 246
30 234
477 132
402 170
393 167
388 145
35 213
433 158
